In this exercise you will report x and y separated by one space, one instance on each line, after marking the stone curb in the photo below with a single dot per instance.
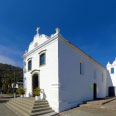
112 99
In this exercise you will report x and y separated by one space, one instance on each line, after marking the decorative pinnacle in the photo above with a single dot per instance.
108 62
38 28
57 30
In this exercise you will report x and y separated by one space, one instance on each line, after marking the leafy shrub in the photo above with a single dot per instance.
21 90
36 92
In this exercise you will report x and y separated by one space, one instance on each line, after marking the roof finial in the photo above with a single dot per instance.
57 30
38 28
108 62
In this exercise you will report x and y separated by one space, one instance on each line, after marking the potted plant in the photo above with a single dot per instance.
21 91
37 94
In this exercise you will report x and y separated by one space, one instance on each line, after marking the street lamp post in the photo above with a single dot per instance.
14 85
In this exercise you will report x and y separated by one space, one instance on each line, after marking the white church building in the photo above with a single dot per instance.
66 74
111 78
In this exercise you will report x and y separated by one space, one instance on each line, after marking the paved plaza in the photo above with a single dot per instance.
88 112
108 109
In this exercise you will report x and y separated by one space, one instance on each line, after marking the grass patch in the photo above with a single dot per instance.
12 95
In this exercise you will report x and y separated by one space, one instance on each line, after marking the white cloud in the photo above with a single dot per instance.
7 50
10 56
6 60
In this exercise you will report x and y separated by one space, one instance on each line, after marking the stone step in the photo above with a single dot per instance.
45 103
50 114
17 110
40 106
41 112
41 101
31 100
26 100
41 109
22 101
25 105
25 110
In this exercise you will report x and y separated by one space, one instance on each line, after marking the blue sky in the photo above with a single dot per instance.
89 24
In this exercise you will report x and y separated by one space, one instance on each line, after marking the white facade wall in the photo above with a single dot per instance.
48 74
75 88
112 75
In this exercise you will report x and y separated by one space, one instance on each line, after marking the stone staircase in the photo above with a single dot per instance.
30 107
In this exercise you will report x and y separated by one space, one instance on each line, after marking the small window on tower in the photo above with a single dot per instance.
112 70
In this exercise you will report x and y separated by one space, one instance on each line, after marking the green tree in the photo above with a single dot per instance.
7 83
8 75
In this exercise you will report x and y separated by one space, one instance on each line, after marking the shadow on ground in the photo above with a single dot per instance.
4 100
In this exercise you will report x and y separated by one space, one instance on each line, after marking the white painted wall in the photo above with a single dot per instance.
75 88
48 73
111 77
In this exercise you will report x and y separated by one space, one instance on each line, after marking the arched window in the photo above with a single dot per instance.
112 70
